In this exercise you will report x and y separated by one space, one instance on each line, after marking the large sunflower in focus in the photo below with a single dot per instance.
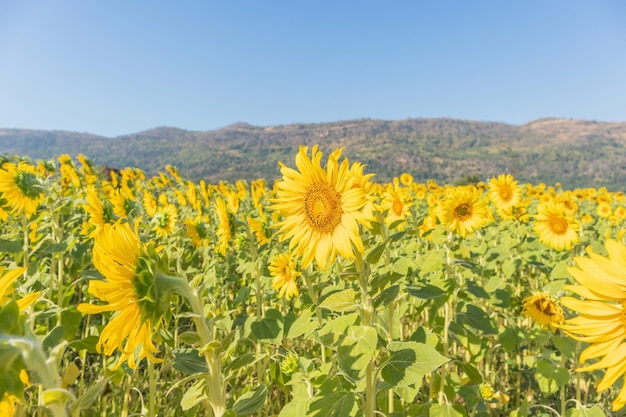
21 187
463 210
602 310
129 290
321 207
554 227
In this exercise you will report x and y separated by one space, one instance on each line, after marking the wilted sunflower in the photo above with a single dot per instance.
20 186
555 228
504 192
130 291
321 208
283 269
543 310
601 320
463 210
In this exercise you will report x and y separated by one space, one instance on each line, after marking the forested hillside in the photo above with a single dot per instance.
577 153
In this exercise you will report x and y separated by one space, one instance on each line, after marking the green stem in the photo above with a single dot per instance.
318 312
215 388
367 319
152 390
26 247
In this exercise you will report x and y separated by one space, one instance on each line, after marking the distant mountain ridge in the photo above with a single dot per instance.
577 153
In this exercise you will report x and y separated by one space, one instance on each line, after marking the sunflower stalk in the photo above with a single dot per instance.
215 387
367 313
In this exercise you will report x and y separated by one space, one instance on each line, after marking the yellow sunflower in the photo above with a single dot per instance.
164 220
543 310
396 203
321 208
283 269
463 210
129 292
224 229
604 210
504 192
21 187
554 227
100 211
6 290
602 311
197 231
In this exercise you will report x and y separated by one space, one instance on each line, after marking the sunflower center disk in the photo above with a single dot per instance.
322 207
558 225
462 212
505 194
397 207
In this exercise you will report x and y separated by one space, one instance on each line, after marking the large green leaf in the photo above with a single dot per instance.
593 411
341 301
409 362
269 328
188 361
551 377
250 402
446 410
356 350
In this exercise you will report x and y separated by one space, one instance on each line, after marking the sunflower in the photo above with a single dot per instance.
100 211
283 269
259 230
543 310
555 228
396 203
8 278
321 208
164 220
463 210
604 210
602 311
129 291
197 231
504 192
224 230
20 186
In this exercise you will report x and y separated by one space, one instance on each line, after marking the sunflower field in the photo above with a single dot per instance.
325 294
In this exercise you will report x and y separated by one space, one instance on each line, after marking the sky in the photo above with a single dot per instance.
117 67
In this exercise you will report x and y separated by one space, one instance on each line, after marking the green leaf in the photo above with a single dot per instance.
270 327
341 301
188 361
89 343
53 338
410 362
335 403
356 350
303 325
243 360
550 377
593 411
522 411
386 296
335 328
58 396
374 255
433 261
426 292
94 391
446 410
194 395
250 402
479 320
10 246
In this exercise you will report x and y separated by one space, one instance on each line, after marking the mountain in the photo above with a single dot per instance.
576 153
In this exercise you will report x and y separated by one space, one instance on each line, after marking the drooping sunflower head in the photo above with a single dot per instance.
164 220
133 290
283 269
504 191
198 231
543 310
463 210
321 207
21 187
554 227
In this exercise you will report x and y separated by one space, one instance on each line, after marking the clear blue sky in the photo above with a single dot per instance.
114 67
